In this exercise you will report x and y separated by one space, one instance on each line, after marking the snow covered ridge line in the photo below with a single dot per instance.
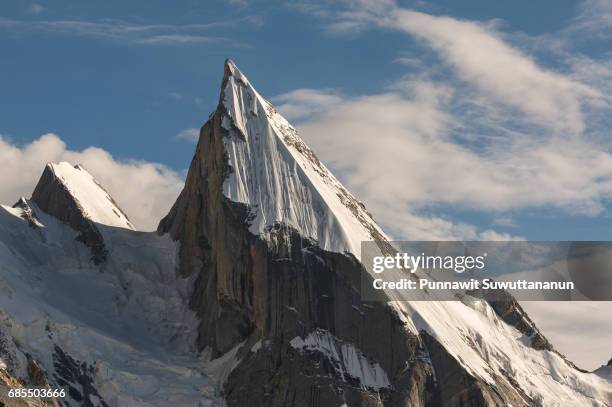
94 201
348 362
280 178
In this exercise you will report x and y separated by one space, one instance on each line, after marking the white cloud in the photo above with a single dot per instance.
190 134
594 19
300 104
131 33
145 191
581 330
503 134
505 221
481 57
36 9
409 157
177 39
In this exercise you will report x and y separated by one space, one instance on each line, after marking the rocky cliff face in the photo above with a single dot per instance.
269 293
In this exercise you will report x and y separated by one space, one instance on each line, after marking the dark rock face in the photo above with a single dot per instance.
28 213
274 289
37 375
77 377
52 196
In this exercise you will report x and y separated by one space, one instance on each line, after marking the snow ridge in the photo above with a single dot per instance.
95 203
280 178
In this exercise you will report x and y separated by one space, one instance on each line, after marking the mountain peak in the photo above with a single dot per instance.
230 69
273 241
89 196
280 178
73 196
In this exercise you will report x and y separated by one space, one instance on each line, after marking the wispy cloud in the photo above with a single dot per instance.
480 56
417 149
239 3
130 33
190 134
300 104
594 19
498 133
175 95
36 9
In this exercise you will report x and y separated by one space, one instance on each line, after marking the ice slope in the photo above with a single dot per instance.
280 178
95 202
490 349
130 321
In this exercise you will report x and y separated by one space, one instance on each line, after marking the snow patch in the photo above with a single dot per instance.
347 360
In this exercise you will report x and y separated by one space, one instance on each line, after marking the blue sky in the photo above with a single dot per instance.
128 77
451 120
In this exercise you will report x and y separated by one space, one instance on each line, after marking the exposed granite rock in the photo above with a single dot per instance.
7 382
37 374
77 377
282 286
52 196
28 213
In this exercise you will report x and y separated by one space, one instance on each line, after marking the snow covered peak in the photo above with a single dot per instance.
92 199
232 70
281 179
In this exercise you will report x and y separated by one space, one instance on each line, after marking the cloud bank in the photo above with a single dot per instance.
145 191
496 132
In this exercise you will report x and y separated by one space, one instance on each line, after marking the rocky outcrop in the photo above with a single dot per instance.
53 197
8 382
28 213
511 312
12 362
77 378
263 293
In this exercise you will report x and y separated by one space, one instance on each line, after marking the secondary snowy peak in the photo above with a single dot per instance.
91 199
280 178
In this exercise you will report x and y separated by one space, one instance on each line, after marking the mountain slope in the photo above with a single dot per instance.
247 295
113 333
273 239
